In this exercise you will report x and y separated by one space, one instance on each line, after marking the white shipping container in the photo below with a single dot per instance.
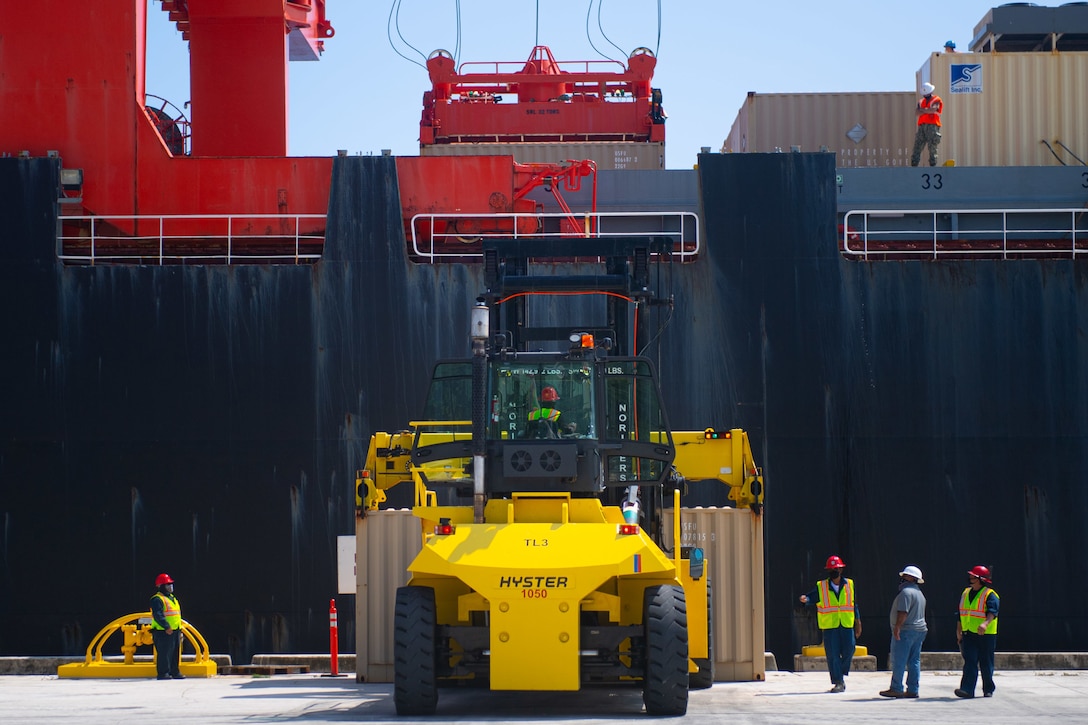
607 154
861 129
1004 109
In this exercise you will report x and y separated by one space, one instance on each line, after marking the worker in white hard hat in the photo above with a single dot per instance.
908 620
929 125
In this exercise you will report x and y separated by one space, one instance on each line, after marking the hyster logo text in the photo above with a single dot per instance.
533 582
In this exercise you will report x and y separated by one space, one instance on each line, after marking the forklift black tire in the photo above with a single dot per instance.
704 678
415 680
665 623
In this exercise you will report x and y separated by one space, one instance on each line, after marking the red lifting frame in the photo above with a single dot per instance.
541 100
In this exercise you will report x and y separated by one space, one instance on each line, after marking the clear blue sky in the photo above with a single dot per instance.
362 97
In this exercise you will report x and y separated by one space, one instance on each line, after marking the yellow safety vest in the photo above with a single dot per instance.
171 609
549 414
835 610
972 615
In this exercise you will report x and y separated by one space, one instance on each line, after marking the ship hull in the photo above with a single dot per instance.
208 421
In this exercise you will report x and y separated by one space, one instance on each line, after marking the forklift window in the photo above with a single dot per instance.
450 394
521 407
633 412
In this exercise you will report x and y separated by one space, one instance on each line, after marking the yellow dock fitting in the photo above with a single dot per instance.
136 630
817 650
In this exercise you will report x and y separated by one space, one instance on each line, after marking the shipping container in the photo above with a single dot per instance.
387 541
607 154
732 541
861 129
1011 109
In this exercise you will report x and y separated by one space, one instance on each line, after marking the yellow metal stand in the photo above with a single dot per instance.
136 629
817 650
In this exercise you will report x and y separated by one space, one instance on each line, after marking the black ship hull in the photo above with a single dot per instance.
208 421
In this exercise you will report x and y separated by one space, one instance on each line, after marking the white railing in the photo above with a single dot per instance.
436 236
936 233
191 238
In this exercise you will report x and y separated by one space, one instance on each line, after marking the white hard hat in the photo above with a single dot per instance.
928 88
914 572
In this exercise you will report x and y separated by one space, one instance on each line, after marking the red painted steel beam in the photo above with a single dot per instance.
238 76
82 93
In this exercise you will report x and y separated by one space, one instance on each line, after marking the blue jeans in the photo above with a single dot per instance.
978 654
839 646
906 654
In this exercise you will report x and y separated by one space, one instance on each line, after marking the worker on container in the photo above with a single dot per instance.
929 125
838 619
544 420
166 628
976 632
908 621
949 46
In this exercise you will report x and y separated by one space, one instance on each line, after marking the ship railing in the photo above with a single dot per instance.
965 233
208 239
449 236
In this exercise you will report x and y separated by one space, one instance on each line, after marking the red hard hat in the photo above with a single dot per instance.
834 562
549 394
981 572
163 578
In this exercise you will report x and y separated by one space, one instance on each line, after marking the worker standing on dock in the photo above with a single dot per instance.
929 125
166 628
908 622
838 619
976 632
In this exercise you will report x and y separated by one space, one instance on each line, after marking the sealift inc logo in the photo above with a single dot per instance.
965 78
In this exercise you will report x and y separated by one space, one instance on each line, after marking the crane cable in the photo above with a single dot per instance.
600 27
394 22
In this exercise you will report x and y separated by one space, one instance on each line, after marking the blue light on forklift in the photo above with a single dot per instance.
695 562
712 435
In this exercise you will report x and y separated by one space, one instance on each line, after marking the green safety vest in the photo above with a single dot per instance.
835 610
972 615
171 609
549 414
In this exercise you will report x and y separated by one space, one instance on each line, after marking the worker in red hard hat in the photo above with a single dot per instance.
976 632
839 620
166 628
544 420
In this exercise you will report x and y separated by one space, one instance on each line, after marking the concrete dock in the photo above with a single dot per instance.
1038 696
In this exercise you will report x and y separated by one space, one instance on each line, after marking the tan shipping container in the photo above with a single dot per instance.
861 129
732 541
607 154
387 542
1000 108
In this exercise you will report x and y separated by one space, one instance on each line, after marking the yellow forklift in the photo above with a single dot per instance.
544 566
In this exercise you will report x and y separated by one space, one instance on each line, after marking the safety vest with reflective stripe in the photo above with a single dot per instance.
550 414
835 610
972 615
171 609
935 105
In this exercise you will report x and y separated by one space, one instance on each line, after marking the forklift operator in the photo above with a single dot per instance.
544 421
